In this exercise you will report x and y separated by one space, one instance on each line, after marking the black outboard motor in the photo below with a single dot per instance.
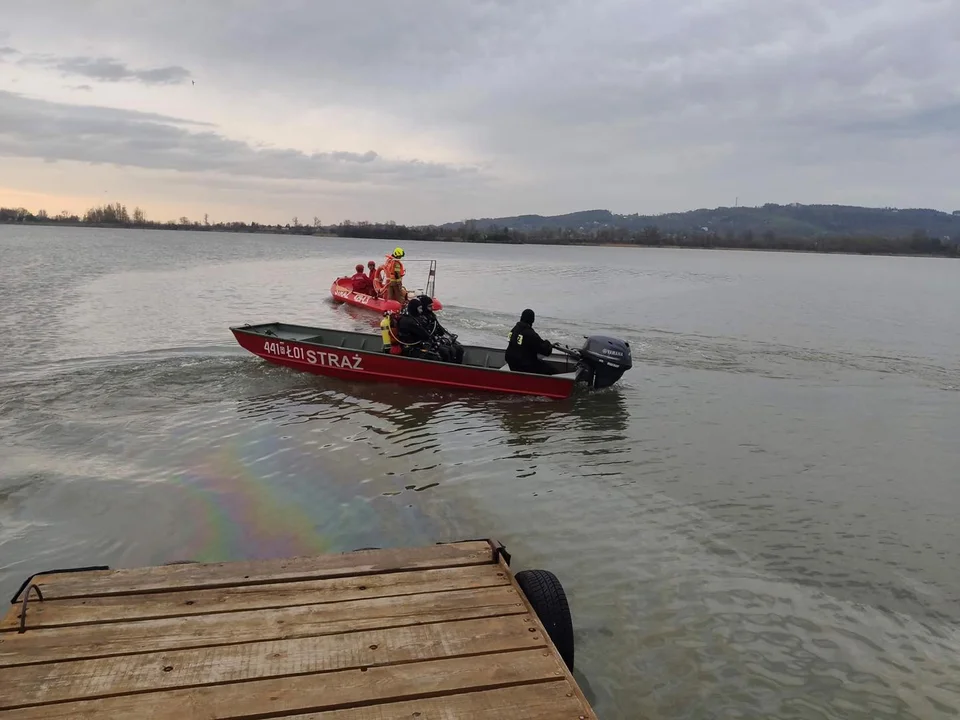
603 361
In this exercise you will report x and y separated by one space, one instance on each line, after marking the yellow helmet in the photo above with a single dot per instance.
398 252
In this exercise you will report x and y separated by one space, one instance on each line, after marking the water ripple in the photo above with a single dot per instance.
756 522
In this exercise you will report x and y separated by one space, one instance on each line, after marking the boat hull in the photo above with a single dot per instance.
358 356
342 291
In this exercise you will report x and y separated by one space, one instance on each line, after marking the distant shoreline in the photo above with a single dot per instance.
397 234
261 230
767 250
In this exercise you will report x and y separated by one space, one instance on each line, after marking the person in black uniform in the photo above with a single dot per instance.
413 335
448 347
525 347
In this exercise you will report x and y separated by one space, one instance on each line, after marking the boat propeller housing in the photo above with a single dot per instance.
603 361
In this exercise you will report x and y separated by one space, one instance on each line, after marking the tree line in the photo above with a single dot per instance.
918 242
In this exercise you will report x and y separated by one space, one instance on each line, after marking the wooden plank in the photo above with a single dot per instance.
210 575
73 680
54 613
92 641
276 697
540 701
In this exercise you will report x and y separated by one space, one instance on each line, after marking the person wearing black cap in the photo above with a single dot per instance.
450 350
413 336
525 347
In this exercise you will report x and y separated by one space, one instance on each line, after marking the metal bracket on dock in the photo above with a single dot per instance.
29 580
23 607
499 550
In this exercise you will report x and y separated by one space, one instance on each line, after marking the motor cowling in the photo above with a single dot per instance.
603 360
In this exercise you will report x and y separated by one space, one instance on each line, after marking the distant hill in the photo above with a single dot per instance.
800 221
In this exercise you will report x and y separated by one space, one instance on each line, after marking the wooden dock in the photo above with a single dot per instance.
443 631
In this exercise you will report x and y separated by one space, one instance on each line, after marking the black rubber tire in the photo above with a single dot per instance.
549 601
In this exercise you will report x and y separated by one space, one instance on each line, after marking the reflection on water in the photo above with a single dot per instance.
403 431
758 521
407 408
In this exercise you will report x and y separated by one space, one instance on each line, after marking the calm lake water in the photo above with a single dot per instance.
760 520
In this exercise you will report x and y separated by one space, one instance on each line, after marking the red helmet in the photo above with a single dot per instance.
359 267
371 264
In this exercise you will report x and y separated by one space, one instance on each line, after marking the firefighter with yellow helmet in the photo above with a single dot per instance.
393 269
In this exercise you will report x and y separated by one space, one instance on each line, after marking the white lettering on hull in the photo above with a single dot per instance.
356 297
314 357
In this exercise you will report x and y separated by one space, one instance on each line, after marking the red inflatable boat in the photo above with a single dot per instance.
342 291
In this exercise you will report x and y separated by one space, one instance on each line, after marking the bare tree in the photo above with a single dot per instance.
109 214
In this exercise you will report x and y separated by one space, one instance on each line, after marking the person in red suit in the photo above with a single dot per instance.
362 282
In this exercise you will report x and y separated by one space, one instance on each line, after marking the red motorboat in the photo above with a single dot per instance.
342 290
359 356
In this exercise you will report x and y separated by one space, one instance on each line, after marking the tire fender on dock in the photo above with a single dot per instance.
549 601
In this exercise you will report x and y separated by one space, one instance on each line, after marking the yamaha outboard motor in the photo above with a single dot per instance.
603 361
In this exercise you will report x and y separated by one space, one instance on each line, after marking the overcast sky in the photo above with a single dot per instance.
436 110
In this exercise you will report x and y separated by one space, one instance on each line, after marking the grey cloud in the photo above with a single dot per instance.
317 47
554 91
4 51
503 66
562 57
612 76
757 61
366 157
17 110
54 131
107 69
943 120
765 80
